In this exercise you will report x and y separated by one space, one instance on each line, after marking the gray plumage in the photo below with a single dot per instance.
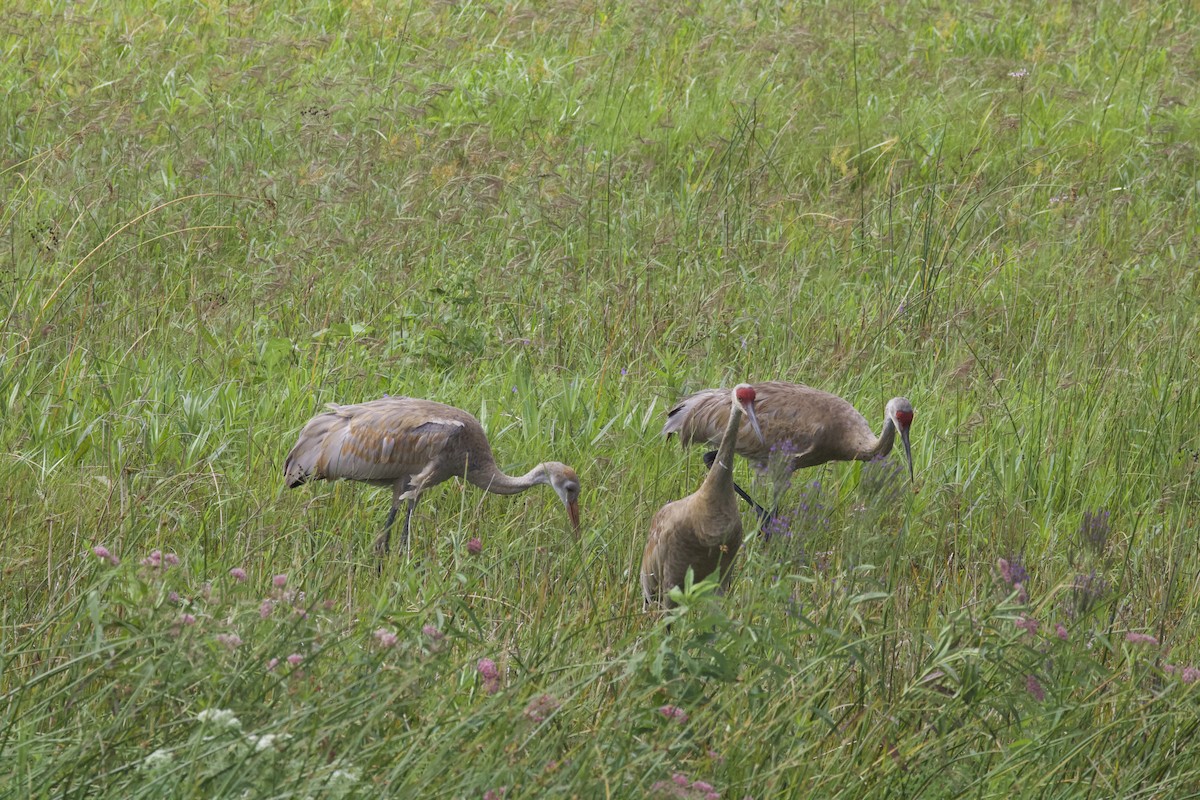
410 445
813 426
702 531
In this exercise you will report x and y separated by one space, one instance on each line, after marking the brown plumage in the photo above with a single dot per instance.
409 445
809 426
703 531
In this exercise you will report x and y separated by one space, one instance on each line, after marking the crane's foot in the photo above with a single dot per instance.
381 549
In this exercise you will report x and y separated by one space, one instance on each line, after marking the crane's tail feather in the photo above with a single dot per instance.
307 459
675 418
696 416
295 472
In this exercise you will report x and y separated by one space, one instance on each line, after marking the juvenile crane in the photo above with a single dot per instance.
811 426
703 530
410 445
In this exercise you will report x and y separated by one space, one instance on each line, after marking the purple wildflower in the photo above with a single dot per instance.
1028 624
1035 688
170 559
1061 631
230 640
495 794
489 674
1086 592
1190 675
187 619
1012 571
475 546
272 664
1094 530
294 659
154 560
104 555
265 608
279 581
1134 637
674 713
386 637
238 574
680 786
541 707
779 525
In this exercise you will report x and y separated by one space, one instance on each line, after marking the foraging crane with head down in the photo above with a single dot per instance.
410 445
703 531
813 426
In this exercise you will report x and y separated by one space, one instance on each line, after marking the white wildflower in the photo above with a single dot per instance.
266 741
220 717
343 776
158 758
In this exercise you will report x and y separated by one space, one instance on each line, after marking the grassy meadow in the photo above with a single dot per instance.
561 217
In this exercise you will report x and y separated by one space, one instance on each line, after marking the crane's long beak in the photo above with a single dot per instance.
753 419
907 452
573 514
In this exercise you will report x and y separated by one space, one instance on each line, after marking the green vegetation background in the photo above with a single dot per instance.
560 217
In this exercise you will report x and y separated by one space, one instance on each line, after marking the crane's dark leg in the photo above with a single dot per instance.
764 516
385 539
412 506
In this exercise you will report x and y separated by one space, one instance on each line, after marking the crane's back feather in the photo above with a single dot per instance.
386 440
812 425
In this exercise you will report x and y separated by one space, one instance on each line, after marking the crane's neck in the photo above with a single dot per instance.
883 445
491 479
720 477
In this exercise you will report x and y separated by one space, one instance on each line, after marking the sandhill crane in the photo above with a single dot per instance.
703 530
410 445
813 426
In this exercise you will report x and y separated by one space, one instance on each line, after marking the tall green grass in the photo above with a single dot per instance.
561 217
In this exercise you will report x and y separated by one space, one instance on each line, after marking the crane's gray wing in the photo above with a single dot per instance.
653 562
378 442
700 417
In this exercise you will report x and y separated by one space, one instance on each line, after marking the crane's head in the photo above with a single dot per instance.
744 395
900 413
565 483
